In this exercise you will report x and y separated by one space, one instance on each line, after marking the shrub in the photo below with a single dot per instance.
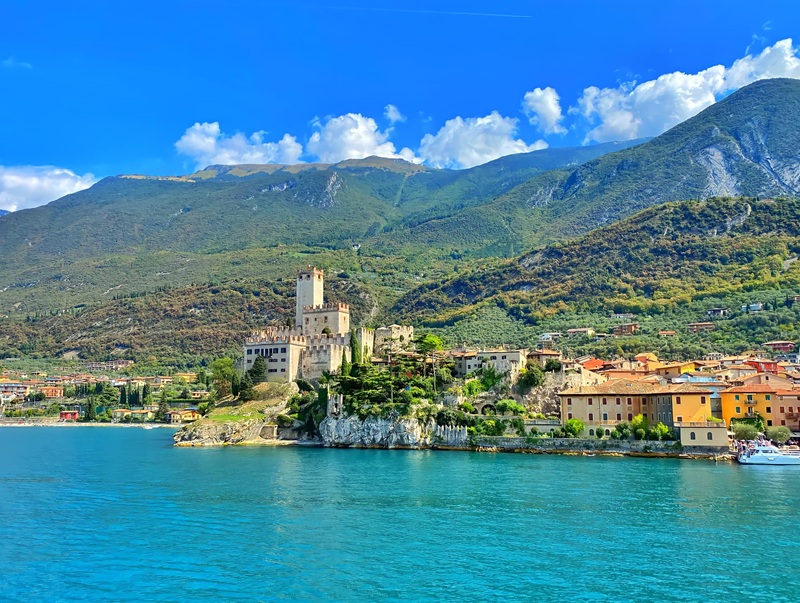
573 428
639 434
512 406
467 408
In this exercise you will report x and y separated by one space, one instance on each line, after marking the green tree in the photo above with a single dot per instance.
574 427
258 372
91 410
745 431
123 397
345 370
779 433
639 422
246 390
355 349
146 394
163 407
427 344
223 371
552 366
236 384
531 377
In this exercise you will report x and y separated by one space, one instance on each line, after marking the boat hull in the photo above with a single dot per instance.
769 459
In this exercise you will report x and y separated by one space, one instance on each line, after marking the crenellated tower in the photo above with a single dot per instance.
309 292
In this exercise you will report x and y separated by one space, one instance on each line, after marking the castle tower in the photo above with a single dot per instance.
309 292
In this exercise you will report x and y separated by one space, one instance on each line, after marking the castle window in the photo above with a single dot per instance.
249 352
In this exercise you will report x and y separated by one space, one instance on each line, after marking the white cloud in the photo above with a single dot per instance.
208 145
26 186
543 109
11 63
353 136
393 114
635 110
464 143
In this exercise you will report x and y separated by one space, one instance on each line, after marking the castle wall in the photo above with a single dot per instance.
366 341
316 359
392 338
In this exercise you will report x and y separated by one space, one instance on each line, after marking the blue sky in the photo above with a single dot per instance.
90 89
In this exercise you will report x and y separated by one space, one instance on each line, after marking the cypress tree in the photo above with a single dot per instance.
236 384
246 391
123 399
355 350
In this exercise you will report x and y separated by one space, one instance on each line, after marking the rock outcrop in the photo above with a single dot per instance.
210 433
389 433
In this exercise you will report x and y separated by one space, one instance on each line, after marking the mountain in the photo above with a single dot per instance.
382 228
667 265
3 212
745 144
133 233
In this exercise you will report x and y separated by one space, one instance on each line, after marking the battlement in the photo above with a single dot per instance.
276 335
328 340
311 271
326 308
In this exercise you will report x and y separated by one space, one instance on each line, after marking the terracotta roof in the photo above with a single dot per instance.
788 392
634 387
756 388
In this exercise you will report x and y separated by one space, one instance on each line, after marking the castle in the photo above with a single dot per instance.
320 336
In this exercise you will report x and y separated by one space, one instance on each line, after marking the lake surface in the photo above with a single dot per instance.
105 514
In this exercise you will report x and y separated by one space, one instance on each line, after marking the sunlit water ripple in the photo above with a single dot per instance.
121 515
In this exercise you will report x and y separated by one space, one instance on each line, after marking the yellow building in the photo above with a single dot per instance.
748 401
605 405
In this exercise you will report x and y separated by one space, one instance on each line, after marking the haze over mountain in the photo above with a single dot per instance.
385 226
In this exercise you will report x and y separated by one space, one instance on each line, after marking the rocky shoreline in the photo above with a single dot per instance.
412 434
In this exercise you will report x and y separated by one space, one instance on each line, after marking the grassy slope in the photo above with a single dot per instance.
667 265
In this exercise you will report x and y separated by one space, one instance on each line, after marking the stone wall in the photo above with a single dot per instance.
592 445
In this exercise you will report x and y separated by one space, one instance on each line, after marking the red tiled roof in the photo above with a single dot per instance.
756 388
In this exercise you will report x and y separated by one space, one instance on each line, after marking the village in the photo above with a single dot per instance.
696 402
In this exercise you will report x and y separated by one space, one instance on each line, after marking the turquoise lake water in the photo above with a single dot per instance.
104 514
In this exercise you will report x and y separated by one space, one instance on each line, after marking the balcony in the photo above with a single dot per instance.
699 424
751 402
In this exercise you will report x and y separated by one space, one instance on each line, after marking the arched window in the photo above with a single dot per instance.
710 436
692 436
591 432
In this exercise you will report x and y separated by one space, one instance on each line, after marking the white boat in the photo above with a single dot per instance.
767 454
